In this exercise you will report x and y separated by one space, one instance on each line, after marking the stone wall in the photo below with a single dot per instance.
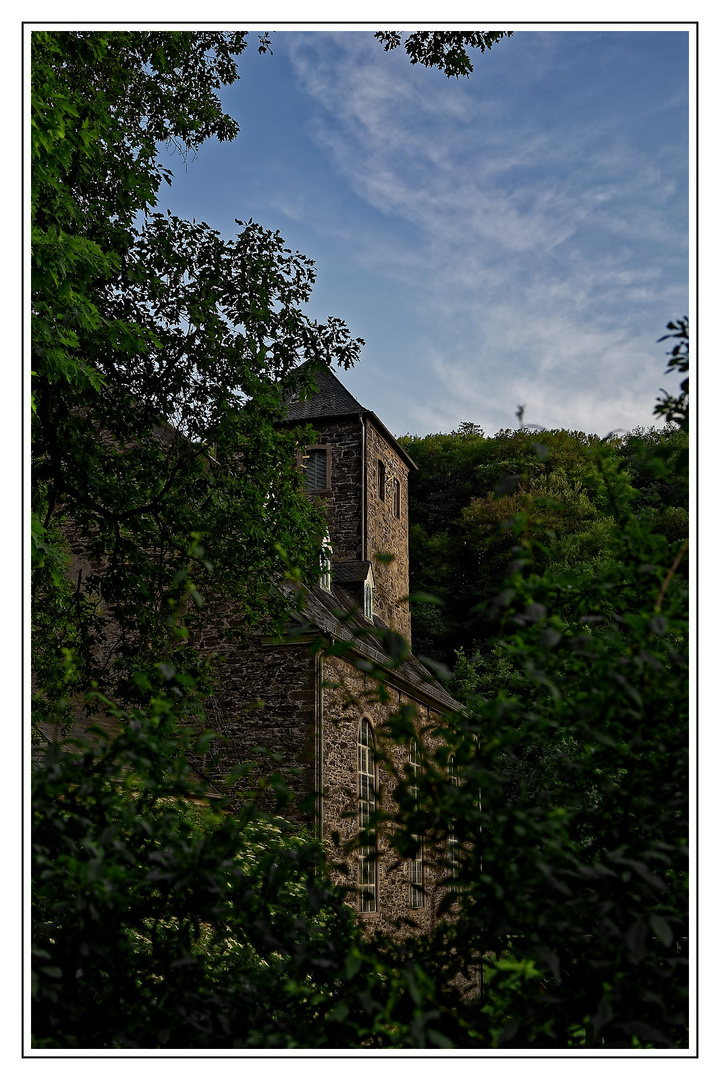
342 501
386 533
266 699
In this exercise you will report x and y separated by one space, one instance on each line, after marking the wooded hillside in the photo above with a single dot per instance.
555 496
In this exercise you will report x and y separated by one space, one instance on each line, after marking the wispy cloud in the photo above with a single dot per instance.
543 247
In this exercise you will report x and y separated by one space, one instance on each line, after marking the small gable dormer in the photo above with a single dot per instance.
357 580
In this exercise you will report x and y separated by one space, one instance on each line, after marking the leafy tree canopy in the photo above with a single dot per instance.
161 357
443 49
556 494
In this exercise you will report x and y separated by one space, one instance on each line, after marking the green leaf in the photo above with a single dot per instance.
661 928
203 742
436 1038
353 963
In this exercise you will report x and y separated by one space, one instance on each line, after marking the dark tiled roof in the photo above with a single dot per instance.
338 616
351 571
331 399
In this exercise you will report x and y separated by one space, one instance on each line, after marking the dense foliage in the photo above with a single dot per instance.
559 495
162 922
161 357
569 804
154 914
557 802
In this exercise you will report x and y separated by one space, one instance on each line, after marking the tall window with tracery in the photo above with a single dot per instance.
367 862
417 892
453 854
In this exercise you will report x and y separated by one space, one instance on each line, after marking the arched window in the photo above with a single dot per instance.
417 892
367 854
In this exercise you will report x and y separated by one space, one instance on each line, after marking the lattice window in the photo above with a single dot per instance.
417 892
316 470
367 853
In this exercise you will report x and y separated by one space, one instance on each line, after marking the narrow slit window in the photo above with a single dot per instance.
326 564
367 854
381 479
316 470
396 498
368 598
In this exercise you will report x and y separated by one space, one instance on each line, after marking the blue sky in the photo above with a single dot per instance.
518 237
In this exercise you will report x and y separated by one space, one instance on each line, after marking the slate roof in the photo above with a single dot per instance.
351 571
336 615
331 400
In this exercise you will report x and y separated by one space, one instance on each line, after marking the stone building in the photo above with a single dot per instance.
319 709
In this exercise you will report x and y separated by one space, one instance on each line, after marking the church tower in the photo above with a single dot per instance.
358 473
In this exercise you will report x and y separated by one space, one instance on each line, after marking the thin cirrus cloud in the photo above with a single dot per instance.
535 229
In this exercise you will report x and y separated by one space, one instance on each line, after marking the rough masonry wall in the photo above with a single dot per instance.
343 501
340 794
387 533
266 697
